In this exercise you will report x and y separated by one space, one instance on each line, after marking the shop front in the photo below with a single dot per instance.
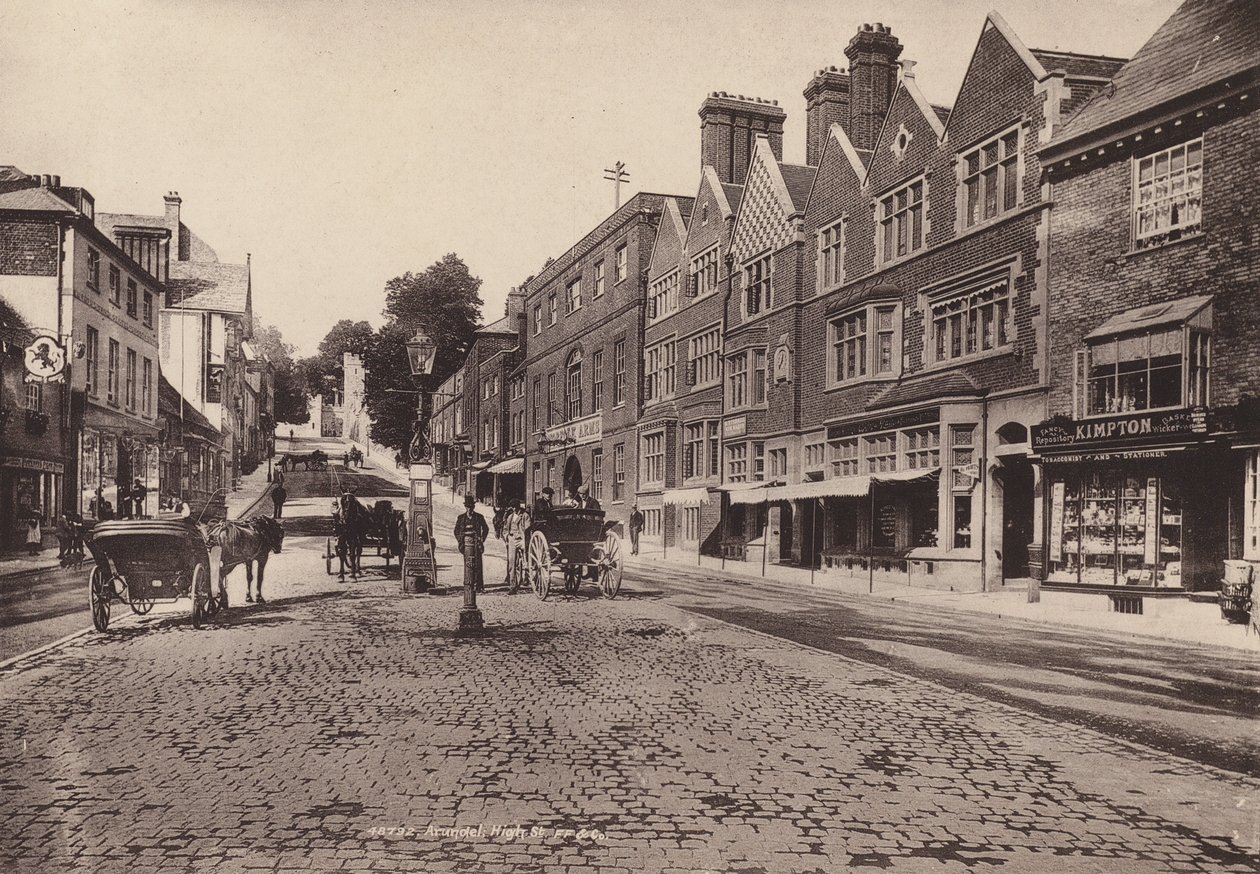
119 475
30 488
1143 500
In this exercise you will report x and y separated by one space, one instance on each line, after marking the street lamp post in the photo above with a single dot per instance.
421 352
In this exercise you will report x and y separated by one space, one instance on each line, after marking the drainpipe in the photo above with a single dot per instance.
984 492
723 499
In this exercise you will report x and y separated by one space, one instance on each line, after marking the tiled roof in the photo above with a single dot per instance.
944 385
1098 66
734 193
1202 43
209 285
9 173
107 221
35 200
172 405
942 112
502 326
799 180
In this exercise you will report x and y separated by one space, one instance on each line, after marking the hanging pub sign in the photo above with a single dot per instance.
45 360
214 384
1131 428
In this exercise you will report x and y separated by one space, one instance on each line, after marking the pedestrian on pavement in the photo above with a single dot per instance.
514 527
34 535
124 500
471 531
278 497
636 528
290 437
345 460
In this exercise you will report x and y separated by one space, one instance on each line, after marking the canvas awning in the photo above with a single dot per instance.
745 493
906 476
509 465
685 497
839 487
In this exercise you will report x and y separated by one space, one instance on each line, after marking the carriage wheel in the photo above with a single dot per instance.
328 556
200 595
141 606
611 566
539 562
99 596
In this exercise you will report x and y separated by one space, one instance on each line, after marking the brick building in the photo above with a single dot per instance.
583 392
496 473
35 447
69 279
900 328
1151 474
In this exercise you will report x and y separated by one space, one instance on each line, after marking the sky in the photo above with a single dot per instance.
344 143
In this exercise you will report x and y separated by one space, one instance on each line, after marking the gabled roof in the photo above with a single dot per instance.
798 179
858 160
734 194
673 220
34 200
1203 43
209 285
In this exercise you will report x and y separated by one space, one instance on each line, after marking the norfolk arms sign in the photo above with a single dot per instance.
1133 428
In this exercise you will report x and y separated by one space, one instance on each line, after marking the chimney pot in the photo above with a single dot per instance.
56 181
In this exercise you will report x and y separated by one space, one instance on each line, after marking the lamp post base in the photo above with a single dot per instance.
470 620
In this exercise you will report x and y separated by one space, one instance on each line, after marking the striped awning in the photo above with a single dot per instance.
509 465
745 493
685 497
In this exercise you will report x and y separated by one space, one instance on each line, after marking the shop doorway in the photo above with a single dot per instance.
1017 516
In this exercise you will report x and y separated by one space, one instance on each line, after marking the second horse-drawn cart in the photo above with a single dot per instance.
139 562
576 543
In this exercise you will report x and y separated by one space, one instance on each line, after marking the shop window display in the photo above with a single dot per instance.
1120 530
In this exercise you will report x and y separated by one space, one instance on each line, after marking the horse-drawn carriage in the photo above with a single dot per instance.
315 460
577 543
141 561
356 527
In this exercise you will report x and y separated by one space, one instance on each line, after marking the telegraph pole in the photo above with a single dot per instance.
616 175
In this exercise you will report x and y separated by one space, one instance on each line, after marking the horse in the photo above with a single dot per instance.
356 457
350 523
245 543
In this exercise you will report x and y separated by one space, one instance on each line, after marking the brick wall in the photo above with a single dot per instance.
28 247
1097 273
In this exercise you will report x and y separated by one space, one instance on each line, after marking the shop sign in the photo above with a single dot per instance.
33 464
1134 426
736 427
577 432
214 384
45 360
883 423
1120 455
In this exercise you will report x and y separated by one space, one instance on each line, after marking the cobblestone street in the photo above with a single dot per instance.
345 727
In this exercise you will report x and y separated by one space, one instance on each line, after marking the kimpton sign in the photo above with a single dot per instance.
575 433
1132 428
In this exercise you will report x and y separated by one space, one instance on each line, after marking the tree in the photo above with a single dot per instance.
323 372
290 394
444 299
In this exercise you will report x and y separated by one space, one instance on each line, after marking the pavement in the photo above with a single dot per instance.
1168 619
345 727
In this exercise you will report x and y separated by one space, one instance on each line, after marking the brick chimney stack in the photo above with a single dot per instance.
872 55
729 124
826 103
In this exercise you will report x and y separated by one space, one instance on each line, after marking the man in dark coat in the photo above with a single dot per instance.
278 496
471 532
636 528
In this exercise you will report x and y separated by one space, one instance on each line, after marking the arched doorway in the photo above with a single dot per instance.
572 475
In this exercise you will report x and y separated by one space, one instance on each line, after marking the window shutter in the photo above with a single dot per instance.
1079 385
691 373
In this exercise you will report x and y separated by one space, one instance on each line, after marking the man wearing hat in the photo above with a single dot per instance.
514 527
471 531
544 504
